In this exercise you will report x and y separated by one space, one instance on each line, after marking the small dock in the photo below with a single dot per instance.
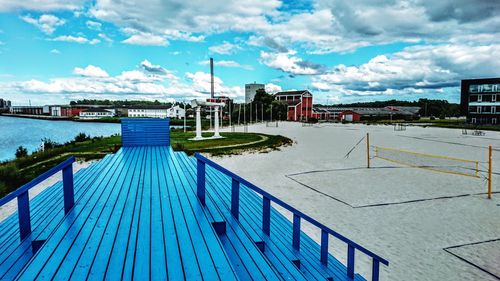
149 213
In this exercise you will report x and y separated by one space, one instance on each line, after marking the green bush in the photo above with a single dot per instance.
21 152
81 137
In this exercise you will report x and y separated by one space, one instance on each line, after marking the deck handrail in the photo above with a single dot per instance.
297 216
23 208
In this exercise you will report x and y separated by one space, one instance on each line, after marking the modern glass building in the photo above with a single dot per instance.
480 100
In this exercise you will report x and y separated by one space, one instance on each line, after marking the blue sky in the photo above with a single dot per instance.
54 51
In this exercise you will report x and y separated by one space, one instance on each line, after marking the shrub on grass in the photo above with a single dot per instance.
81 137
21 152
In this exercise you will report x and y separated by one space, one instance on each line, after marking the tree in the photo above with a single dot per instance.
81 137
21 152
49 144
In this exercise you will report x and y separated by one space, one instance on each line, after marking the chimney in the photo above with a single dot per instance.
211 78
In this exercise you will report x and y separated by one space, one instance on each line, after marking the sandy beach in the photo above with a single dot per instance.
429 225
9 208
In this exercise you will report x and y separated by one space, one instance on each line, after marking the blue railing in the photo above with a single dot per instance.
23 201
267 198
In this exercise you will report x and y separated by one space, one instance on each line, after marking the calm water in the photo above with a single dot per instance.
29 132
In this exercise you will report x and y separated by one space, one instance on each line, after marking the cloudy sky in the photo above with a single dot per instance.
53 51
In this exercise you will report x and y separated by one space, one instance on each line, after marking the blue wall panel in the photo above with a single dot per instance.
145 132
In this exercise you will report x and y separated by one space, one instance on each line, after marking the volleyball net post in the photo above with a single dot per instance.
490 149
367 150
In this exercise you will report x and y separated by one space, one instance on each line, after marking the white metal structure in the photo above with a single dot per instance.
197 104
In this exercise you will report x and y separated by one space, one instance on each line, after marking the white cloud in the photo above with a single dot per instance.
40 5
153 68
225 48
94 82
146 39
418 68
273 88
290 63
201 83
55 51
76 39
104 37
185 16
93 25
90 71
46 23
227 63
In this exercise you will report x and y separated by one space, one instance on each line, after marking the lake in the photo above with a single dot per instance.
29 133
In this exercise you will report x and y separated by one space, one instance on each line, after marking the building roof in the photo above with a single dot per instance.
95 109
288 93
404 109
149 107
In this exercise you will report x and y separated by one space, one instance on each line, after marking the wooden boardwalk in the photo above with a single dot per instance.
137 215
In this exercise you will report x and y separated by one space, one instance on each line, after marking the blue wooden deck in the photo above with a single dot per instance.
139 214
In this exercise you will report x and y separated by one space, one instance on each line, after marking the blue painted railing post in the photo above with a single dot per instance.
324 247
68 188
200 175
296 232
375 270
235 198
266 215
350 261
23 211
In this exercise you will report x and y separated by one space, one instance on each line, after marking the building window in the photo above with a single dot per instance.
473 120
493 121
480 98
493 97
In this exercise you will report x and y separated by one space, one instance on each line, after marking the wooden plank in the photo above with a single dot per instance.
190 261
65 257
284 232
145 132
41 259
286 269
248 257
282 224
103 223
99 260
158 243
113 256
211 258
44 221
142 260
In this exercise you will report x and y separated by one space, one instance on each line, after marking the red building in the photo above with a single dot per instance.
300 104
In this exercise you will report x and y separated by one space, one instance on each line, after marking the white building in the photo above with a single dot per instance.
251 90
148 112
176 112
95 113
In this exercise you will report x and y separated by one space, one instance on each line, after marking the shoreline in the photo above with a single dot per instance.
62 118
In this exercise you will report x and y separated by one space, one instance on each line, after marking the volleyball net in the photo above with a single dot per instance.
431 162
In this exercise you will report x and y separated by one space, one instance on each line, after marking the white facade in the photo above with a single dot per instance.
176 112
95 114
147 113
251 90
